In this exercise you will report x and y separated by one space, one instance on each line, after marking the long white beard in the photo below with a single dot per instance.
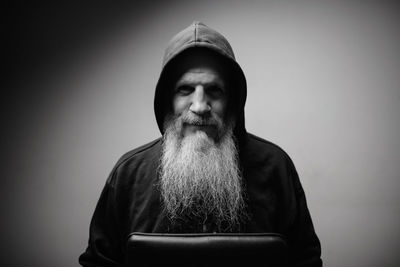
201 180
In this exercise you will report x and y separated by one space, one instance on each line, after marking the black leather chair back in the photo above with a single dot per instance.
149 249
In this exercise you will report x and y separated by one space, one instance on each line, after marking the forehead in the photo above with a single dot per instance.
200 60
201 75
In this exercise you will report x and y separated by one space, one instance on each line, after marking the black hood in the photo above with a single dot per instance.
194 38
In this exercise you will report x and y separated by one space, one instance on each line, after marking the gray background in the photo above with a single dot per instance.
323 83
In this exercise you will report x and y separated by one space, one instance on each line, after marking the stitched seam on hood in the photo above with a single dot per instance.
195 32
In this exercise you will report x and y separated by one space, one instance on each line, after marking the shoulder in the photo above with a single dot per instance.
257 148
147 150
264 161
142 159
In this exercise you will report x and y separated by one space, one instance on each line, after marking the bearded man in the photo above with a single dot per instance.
206 174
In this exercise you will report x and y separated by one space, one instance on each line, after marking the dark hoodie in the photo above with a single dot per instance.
130 201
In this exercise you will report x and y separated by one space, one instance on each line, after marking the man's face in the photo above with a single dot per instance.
200 99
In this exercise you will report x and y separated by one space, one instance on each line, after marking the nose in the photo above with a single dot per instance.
200 104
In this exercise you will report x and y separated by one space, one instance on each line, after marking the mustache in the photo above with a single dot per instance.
190 118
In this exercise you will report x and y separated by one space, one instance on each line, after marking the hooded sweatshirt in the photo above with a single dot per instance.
131 202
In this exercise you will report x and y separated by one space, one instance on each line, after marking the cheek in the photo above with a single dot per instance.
219 108
179 104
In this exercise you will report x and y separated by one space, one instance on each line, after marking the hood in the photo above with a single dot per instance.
197 37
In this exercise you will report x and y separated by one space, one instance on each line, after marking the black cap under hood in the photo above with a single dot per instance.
189 41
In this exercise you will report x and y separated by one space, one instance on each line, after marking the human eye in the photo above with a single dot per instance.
215 91
184 90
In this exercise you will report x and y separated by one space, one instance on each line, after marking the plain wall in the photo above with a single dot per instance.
323 83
